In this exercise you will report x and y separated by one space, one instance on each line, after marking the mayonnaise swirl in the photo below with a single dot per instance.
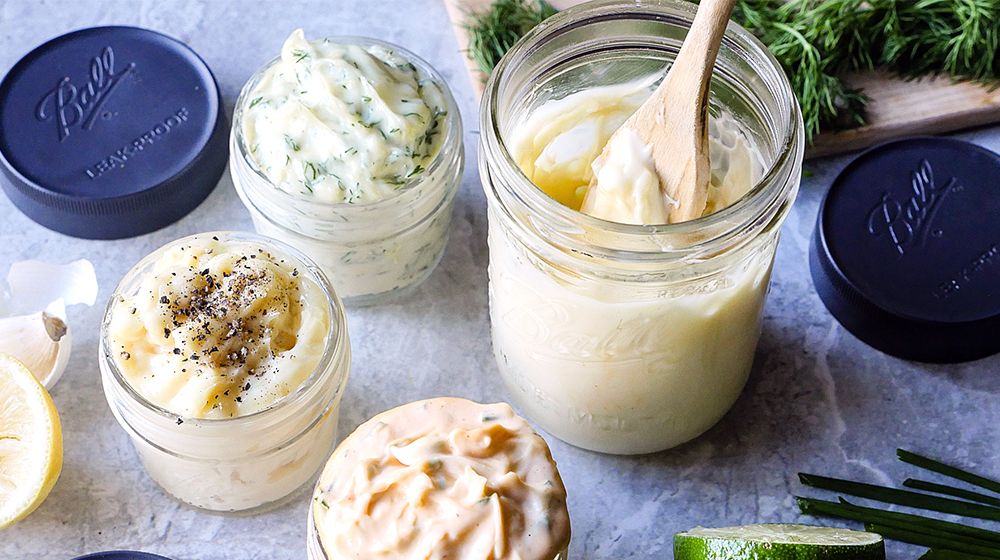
219 329
343 122
442 478
558 145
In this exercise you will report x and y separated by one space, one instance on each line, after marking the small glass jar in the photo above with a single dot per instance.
621 338
374 251
247 463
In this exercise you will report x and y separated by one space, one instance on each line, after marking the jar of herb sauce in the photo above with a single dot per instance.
350 149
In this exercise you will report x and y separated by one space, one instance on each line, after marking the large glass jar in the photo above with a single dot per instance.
245 463
626 338
371 251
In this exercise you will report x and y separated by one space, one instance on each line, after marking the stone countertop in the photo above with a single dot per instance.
818 399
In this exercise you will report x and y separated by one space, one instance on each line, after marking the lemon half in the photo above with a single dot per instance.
30 442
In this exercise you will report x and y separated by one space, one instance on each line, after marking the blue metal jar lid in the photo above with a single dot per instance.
110 132
121 555
906 251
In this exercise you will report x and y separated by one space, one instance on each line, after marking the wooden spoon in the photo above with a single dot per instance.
674 120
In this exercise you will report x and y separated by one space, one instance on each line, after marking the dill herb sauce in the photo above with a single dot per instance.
345 123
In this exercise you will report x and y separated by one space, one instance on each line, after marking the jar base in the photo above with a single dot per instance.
249 512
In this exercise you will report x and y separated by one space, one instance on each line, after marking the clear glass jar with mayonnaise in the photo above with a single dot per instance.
627 338
373 247
230 399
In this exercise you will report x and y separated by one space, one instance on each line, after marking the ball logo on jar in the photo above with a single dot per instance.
908 223
78 106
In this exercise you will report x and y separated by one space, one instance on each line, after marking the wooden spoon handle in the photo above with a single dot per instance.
676 115
696 58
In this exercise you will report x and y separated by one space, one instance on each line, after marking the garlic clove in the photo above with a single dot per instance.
41 341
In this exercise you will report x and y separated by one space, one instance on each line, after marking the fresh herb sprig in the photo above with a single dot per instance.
818 42
947 540
493 32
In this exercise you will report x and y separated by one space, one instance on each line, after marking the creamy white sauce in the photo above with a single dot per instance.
558 147
613 366
220 332
343 123
626 188
219 329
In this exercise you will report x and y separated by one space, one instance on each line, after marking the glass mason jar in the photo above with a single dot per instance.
623 338
247 463
372 251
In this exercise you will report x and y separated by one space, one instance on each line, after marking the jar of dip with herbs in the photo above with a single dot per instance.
224 356
614 330
350 149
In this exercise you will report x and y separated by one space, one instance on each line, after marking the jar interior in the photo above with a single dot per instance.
608 43
589 59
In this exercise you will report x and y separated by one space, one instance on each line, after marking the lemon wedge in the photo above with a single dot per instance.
30 442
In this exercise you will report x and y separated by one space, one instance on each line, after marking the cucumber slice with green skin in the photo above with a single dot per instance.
777 542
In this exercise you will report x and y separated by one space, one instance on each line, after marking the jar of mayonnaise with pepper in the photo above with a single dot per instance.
225 356
614 330
350 149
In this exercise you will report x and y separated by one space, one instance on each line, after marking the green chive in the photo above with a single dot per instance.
901 497
931 541
947 470
917 484
942 554
915 523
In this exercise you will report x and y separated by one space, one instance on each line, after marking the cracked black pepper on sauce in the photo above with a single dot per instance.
220 328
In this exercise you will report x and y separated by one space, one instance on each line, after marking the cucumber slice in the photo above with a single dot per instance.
777 542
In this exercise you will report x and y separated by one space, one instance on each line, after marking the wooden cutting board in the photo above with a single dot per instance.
897 107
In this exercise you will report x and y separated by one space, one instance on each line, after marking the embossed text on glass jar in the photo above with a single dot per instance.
624 338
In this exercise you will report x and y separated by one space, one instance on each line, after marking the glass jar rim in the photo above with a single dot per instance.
597 11
334 344
453 128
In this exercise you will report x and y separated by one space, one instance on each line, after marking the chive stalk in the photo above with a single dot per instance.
948 470
931 541
943 554
917 484
902 497
916 523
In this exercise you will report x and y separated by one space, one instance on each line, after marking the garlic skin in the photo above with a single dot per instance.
41 341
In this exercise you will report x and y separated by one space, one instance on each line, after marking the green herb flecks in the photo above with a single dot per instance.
300 55
292 144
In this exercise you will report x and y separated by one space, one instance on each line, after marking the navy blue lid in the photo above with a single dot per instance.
906 252
121 555
110 132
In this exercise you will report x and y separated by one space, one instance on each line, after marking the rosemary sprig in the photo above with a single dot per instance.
917 484
818 41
